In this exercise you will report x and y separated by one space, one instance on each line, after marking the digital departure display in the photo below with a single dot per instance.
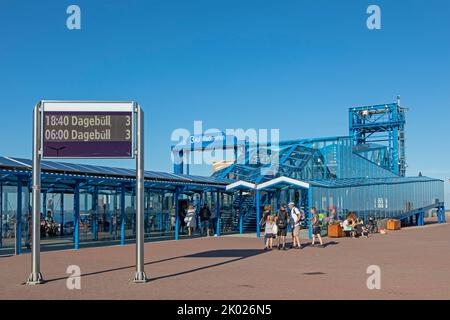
87 134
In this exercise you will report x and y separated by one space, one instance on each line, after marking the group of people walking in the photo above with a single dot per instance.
206 222
276 226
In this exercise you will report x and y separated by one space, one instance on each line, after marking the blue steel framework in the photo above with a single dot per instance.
357 173
378 133
362 173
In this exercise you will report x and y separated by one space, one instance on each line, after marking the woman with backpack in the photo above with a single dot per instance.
282 224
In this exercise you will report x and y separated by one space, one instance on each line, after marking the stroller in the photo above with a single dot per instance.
371 225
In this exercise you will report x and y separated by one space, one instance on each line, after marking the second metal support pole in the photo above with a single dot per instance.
140 275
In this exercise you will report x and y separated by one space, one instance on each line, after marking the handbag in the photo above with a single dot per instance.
275 229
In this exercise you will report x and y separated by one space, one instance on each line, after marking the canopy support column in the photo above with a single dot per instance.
241 214
177 214
44 204
218 213
76 216
19 219
62 213
107 205
95 214
258 214
443 215
115 213
122 215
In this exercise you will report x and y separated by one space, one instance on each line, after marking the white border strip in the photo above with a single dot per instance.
283 179
87 106
19 162
240 183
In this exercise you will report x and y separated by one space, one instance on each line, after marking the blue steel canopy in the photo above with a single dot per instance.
294 160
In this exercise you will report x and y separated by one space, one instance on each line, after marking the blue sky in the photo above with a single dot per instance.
293 65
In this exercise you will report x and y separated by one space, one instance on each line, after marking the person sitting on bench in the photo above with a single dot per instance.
347 226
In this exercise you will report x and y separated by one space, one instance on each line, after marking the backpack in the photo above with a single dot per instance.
321 217
282 219
302 221
205 213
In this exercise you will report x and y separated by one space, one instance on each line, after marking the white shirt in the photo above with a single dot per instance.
294 213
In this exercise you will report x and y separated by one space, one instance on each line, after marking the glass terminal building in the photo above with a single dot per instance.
364 173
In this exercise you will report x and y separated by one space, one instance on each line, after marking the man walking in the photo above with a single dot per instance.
205 215
213 220
296 217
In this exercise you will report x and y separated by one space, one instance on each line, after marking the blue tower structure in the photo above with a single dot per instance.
378 134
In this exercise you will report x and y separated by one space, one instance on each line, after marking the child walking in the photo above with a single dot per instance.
269 234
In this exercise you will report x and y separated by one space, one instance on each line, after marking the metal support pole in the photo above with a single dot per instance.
62 213
36 276
140 275
218 203
258 214
19 219
122 215
76 217
309 213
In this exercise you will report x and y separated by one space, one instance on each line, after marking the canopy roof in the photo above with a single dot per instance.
59 175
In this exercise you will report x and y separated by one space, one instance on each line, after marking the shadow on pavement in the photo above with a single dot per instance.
326 244
239 254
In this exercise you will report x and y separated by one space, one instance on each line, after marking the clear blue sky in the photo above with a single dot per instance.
293 65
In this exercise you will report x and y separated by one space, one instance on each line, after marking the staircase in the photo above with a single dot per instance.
249 211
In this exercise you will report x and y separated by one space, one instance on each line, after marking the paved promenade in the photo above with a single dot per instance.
414 262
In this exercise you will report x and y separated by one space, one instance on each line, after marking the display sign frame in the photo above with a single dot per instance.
85 109
137 143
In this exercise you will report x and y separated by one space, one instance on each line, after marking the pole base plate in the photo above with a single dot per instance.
140 277
35 278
